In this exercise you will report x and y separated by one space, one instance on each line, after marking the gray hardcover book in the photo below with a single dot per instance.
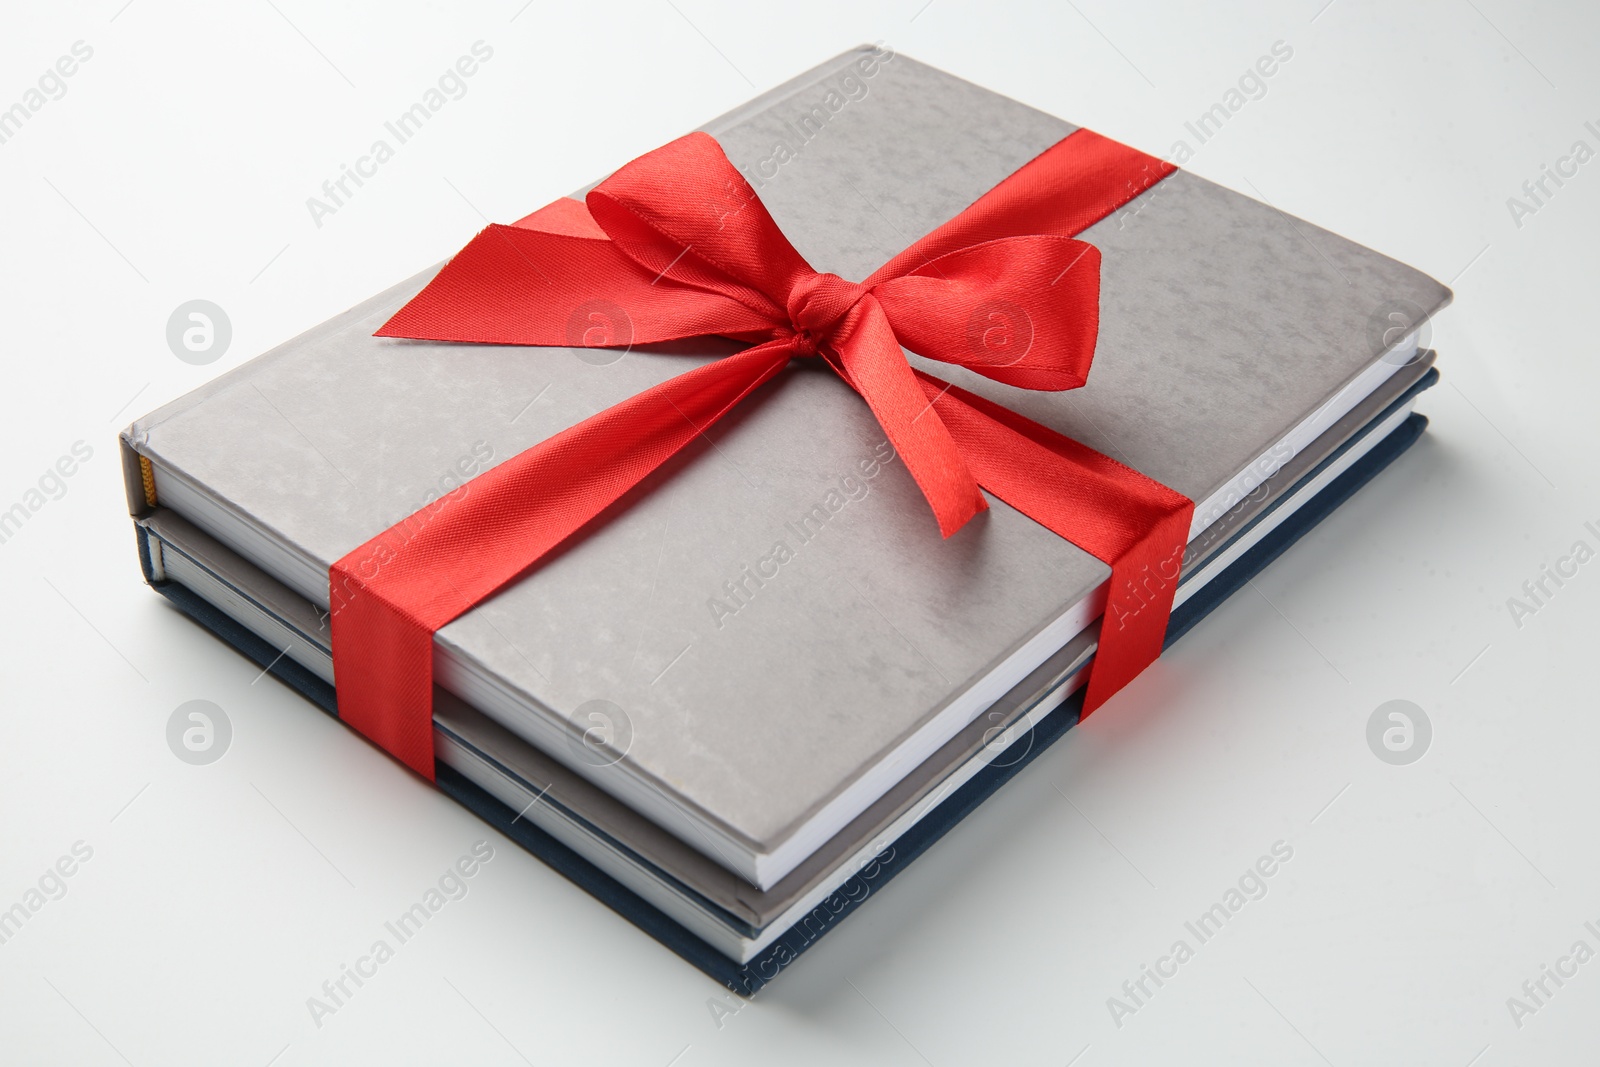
733 917
761 714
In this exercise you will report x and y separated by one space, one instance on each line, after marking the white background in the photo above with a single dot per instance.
218 898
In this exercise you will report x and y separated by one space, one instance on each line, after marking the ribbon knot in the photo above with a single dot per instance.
676 244
817 304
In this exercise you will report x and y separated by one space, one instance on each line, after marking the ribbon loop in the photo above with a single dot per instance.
1024 311
685 213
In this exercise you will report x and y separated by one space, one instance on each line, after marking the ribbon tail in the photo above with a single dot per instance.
1136 525
869 358
1064 190
389 596
515 285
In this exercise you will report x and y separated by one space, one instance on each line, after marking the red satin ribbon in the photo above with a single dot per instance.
677 244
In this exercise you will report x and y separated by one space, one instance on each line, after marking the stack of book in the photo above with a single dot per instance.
757 689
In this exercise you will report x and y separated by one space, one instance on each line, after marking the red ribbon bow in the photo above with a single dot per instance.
677 244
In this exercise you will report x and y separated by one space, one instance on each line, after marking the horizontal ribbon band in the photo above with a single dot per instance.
676 244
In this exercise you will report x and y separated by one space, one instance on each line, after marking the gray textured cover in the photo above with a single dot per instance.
1223 324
